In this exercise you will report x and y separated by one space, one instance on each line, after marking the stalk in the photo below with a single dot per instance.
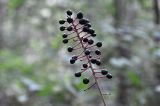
90 64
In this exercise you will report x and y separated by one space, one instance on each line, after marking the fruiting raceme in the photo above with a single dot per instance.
79 30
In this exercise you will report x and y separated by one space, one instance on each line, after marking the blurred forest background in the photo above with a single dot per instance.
34 66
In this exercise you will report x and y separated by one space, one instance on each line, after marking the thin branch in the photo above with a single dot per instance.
90 64
90 86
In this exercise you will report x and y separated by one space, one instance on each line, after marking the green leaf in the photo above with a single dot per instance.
46 90
134 79
10 62
14 4
57 41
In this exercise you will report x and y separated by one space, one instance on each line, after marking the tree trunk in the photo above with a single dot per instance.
120 10
1 16
125 13
156 10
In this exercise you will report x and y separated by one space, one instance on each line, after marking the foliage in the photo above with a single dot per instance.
14 4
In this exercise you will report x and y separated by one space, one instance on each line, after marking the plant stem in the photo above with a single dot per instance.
91 67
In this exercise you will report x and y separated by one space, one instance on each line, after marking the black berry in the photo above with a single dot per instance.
83 21
74 57
69 20
99 44
65 41
90 56
104 72
78 74
93 35
69 12
85 65
69 28
85 40
70 49
62 28
85 29
88 25
80 15
72 61
62 21
91 31
85 81
90 42
109 76
98 63
64 35
93 61
87 52
97 52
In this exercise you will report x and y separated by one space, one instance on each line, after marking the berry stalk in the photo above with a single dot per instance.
91 67
81 33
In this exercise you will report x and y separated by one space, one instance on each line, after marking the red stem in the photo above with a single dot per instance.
100 77
89 62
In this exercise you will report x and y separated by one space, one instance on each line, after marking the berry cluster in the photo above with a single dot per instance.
79 30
